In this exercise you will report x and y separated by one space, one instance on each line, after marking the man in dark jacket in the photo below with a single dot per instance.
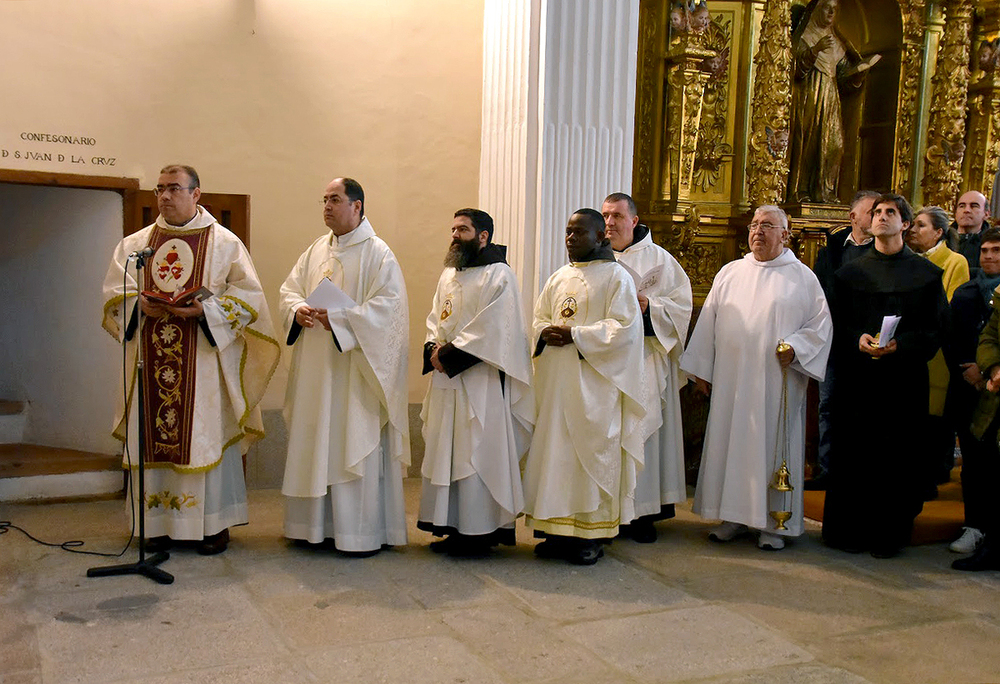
985 423
971 307
971 219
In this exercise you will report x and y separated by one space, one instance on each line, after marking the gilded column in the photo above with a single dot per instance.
770 107
649 103
983 148
946 130
686 82
911 60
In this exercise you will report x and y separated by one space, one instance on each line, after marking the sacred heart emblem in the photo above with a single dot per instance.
569 307
174 264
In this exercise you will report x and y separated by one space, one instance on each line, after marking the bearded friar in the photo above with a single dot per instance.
478 413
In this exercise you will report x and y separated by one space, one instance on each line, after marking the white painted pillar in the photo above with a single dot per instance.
558 120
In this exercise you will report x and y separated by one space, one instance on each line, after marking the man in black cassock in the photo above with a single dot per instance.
873 491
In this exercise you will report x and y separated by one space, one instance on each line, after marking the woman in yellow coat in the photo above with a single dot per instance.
928 236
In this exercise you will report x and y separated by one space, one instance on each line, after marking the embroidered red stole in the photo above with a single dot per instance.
170 346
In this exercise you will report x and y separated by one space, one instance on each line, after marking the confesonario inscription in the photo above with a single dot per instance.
31 155
36 155
54 138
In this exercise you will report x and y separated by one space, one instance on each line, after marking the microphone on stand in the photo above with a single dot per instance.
144 253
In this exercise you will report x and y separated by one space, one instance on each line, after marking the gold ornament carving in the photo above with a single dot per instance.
686 82
983 153
703 262
712 149
680 236
946 130
911 62
648 94
772 97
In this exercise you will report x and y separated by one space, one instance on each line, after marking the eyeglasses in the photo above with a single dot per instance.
335 199
762 226
171 189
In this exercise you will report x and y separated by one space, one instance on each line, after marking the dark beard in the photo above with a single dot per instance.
461 253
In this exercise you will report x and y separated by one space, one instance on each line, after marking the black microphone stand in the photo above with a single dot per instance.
144 566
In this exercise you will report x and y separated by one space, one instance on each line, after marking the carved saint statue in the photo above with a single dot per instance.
825 64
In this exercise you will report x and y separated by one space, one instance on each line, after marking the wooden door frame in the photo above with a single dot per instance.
133 199
126 187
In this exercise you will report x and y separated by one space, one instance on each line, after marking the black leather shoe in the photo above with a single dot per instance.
442 545
470 547
984 559
360 554
214 543
885 552
551 547
642 531
585 552
157 544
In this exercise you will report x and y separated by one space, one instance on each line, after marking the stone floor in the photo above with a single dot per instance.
680 610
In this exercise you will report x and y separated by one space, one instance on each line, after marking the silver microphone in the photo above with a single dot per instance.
144 253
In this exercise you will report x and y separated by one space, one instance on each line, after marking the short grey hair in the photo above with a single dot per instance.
777 211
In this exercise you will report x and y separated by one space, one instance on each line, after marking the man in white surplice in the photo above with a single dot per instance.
479 410
579 474
755 303
665 302
346 407
207 359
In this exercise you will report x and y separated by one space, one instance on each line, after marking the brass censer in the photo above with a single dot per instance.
781 482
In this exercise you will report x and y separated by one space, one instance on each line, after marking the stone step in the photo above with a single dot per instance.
36 472
11 408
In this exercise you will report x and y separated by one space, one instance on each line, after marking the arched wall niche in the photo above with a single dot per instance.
872 26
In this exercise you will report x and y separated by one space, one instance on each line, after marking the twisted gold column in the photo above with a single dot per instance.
946 130
911 59
686 82
767 162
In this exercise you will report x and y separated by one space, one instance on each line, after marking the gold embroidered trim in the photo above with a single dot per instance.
110 304
165 499
243 363
573 522
252 311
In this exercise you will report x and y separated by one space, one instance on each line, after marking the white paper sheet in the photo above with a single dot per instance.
646 281
885 335
330 297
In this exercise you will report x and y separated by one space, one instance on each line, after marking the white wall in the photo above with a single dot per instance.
52 355
270 98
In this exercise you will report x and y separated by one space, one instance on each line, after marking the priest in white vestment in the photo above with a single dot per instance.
756 303
479 410
346 405
208 357
579 474
664 294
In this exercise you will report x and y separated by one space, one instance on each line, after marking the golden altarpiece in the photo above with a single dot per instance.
713 125
713 106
